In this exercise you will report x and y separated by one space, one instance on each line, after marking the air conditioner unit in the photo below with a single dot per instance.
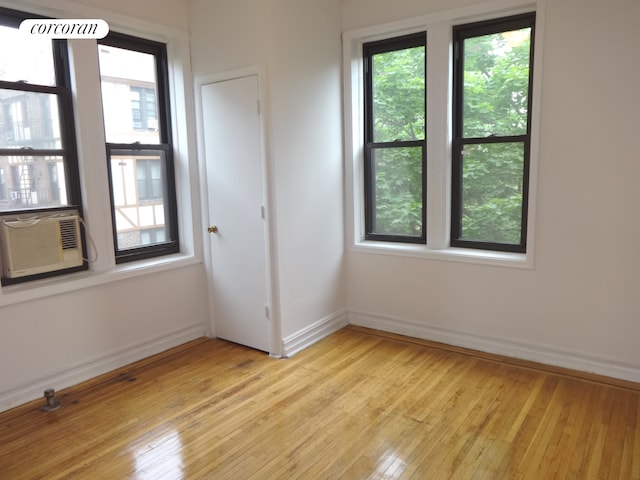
40 244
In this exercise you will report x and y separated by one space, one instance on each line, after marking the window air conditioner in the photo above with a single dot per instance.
40 244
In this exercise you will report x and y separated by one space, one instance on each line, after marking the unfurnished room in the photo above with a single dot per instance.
319 239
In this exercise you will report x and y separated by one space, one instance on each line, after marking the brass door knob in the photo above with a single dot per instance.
212 229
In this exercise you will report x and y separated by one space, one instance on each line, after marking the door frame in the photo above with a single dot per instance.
275 330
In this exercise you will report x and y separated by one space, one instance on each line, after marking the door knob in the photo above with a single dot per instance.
212 229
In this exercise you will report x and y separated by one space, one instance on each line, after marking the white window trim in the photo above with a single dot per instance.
439 128
92 155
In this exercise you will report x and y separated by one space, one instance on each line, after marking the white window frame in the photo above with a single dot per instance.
439 133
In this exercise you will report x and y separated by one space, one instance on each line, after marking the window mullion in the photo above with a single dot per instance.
86 99
438 135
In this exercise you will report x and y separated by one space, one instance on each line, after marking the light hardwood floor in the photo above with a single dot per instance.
359 404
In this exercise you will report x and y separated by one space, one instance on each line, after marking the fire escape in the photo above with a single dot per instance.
17 135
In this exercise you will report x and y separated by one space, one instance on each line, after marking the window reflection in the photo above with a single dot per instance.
390 466
160 458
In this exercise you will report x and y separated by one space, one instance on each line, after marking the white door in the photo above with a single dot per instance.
233 156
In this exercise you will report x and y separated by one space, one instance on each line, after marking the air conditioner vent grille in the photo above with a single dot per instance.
39 244
68 234
33 247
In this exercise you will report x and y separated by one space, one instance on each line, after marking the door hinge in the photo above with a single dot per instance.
266 311
258 106
262 212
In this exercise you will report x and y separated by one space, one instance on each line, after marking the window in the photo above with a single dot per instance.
134 83
37 137
152 235
149 175
491 133
143 108
439 130
395 147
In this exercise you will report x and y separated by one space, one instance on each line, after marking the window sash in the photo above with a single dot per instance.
158 50
457 197
372 225
374 229
126 203
66 151
460 34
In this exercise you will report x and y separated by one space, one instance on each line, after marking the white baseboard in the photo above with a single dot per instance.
324 327
313 333
539 353
98 366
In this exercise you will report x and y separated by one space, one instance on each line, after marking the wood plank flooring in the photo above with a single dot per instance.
357 405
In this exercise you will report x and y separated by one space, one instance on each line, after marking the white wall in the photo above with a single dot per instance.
579 307
298 44
57 332
227 35
160 12
66 338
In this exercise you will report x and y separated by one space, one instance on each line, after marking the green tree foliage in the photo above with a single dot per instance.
492 192
398 190
399 95
399 114
495 103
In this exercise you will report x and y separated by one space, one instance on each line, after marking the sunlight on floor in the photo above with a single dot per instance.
390 467
162 458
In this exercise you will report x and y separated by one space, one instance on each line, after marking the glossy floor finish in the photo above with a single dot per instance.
356 405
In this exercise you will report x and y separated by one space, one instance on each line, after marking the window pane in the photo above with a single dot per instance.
149 177
32 182
399 95
30 59
492 188
129 95
152 235
29 119
496 84
397 177
138 197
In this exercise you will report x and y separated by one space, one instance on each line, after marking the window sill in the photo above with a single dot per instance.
461 255
73 282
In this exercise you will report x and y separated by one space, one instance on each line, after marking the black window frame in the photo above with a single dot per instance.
370 49
68 149
163 148
461 33
62 90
